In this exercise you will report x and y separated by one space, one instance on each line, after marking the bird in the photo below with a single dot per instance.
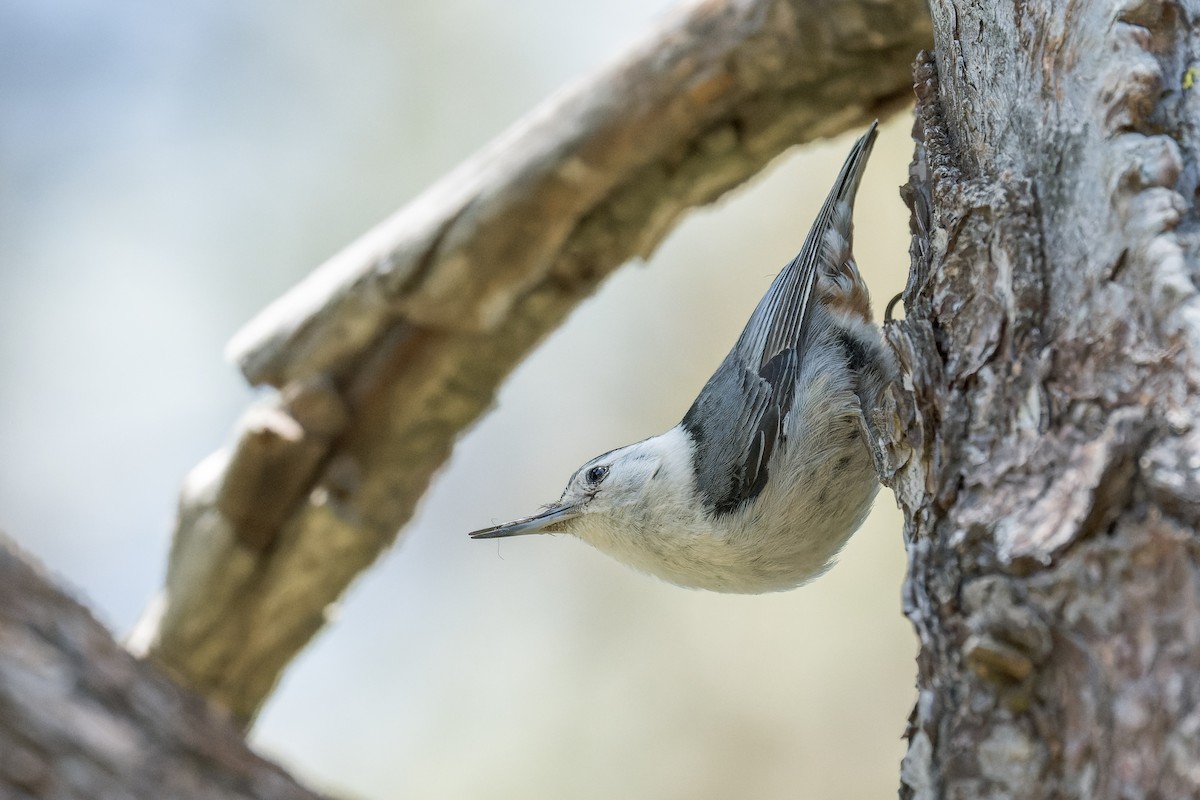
770 470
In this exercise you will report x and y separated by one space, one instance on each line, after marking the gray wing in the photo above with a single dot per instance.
737 420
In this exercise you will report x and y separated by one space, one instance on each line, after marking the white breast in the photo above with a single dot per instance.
784 537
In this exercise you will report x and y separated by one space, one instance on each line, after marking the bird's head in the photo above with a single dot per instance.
613 489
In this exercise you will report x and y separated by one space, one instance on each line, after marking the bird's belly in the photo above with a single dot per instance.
789 540
776 542
820 490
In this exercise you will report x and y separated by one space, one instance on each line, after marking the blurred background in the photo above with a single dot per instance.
168 169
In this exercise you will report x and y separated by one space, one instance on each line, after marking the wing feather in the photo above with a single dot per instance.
737 420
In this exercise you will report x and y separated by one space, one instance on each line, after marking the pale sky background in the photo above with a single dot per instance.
168 169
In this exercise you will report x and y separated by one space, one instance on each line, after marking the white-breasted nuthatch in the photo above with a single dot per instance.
770 471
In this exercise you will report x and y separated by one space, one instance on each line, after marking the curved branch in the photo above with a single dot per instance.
386 353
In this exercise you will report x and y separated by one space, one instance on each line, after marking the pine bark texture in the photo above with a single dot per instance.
81 719
387 353
1046 448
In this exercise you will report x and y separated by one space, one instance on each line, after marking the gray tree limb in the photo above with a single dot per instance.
80 718
1046 451
385 354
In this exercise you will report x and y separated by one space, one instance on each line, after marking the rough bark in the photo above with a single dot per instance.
80 718
385 354
1046 444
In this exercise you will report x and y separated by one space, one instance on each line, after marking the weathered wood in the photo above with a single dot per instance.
1047 446
80 718
410 330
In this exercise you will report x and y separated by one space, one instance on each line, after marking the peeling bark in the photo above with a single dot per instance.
1046 444
82 719
385 354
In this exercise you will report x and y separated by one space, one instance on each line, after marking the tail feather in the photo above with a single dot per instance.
781 319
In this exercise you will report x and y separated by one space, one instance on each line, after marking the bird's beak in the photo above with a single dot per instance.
538 523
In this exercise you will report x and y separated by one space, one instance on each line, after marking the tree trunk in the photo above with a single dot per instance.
1046 450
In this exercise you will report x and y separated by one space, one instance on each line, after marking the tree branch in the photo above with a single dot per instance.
82 719
386 353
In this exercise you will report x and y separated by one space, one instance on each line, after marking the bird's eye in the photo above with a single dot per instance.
596 474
